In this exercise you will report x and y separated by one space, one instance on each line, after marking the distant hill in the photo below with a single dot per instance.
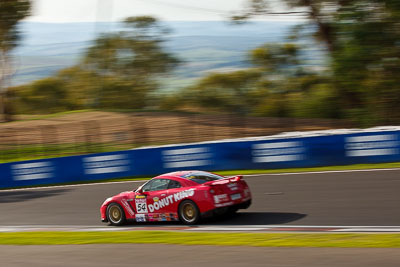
204 46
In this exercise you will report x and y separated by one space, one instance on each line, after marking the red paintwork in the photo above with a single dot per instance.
208 197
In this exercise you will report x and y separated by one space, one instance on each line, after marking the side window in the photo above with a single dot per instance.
147 186
174 184
155 185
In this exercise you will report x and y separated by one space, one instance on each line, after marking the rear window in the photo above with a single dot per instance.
201 177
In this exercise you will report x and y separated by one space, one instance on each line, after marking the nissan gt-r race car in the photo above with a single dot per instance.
187 196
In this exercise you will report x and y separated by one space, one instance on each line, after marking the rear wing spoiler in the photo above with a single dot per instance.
225 180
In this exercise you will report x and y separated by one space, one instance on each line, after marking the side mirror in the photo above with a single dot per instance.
140 191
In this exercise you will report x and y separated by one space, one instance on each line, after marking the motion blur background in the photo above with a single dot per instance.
106 75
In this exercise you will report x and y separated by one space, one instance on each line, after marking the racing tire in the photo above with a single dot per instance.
188 212
115 214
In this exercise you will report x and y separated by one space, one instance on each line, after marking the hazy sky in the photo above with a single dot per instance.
115 10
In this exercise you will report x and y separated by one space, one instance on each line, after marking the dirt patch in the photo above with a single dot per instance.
149 128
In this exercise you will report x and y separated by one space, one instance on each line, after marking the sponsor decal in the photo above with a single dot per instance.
372 145
140 196
175 216
153 217
140 218
220 198
33 171
156 217
127 207
106 164
278 151
233 186
168 200
187 157
172 216
155 199
141 205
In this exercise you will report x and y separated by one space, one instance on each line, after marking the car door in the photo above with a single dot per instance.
152 202
173 188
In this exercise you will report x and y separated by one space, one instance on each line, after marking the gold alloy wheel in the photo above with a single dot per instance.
189 212
115 214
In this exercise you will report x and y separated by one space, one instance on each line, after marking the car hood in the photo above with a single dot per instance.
125 193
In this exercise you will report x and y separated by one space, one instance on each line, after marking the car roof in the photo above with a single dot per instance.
182 174
177 174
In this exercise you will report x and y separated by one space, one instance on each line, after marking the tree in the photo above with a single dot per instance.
272 78
367 62
320 12
80 85
44 96
277 59
134 58
70 89
282 75
233 91
362 38
11 13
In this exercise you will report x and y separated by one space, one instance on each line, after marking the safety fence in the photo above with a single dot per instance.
292 150
106 132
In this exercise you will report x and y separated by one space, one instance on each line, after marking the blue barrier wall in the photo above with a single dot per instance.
257 153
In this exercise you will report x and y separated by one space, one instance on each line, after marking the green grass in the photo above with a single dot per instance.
218 239
389 165
13 153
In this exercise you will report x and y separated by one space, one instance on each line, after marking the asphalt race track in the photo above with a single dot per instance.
358 198
194 256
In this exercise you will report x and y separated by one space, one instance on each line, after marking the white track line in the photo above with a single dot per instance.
205 228
361 230
239 229
210 225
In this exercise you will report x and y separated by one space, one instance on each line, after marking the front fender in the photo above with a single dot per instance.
123 202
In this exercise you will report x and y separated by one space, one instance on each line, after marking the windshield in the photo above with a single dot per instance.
202 177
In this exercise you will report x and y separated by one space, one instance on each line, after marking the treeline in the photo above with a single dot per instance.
360 82
119 71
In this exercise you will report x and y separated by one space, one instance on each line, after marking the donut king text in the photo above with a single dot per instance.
168 200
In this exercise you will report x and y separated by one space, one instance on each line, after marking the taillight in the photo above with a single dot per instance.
215 190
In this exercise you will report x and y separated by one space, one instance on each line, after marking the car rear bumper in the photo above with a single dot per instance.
225 208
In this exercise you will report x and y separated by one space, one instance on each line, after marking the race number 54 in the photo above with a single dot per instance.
141 206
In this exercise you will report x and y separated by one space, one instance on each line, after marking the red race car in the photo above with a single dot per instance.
185 195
